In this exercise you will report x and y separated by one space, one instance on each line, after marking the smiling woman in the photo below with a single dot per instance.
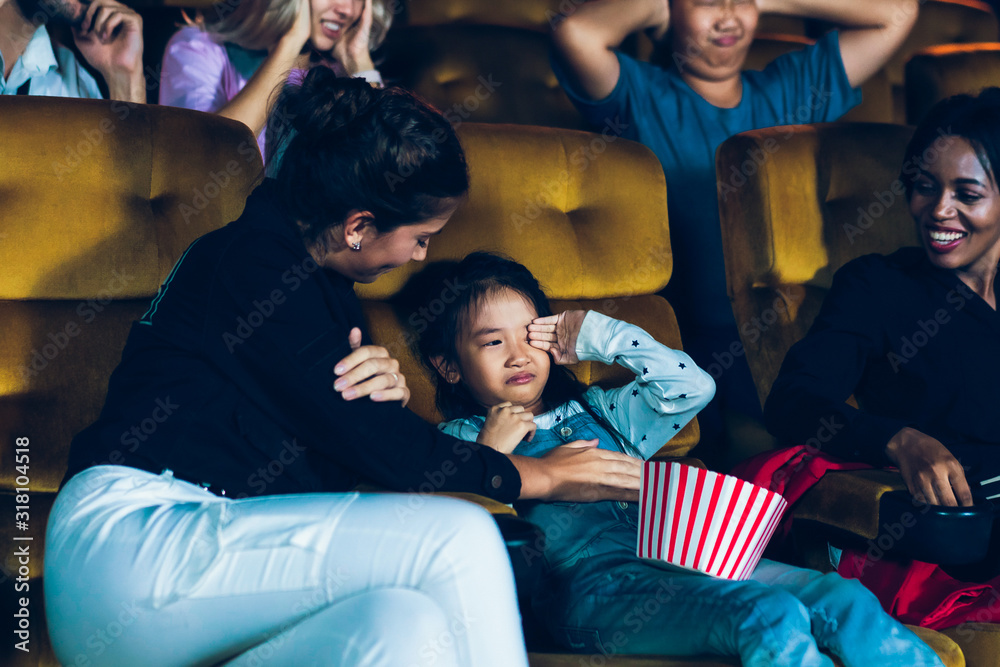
928 409
955 198
237 53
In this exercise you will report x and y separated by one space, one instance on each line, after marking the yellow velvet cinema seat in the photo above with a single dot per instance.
99 200
939 22
561 202
817 197
480 73
530 14
533 14
939 72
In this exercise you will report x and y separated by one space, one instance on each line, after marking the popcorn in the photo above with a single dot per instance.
705 521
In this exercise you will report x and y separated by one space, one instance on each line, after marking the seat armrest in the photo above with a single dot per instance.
872 509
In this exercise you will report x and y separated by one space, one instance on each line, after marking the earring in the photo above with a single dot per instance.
356 245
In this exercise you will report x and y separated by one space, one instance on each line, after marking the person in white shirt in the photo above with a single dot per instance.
107 33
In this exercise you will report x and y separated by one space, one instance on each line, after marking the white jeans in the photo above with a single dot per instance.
144 569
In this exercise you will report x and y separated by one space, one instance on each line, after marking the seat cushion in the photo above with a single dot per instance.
939 72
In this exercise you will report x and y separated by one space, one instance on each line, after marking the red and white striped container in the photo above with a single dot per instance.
705 521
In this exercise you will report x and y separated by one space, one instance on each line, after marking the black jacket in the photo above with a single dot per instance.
228 381
914 345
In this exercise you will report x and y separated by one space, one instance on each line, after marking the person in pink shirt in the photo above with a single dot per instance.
238 52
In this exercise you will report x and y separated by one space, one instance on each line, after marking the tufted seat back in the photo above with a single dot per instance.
529 14
481 73
821 196
99 200
939 72
585 213
939 22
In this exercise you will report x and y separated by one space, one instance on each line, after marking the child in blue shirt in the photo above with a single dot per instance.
684 112
493 349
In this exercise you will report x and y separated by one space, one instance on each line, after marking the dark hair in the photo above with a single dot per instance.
973 118
341 145
439 322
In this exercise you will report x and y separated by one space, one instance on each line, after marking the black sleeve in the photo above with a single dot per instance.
806 405
278 326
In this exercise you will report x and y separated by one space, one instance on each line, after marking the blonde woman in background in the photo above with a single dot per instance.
235 54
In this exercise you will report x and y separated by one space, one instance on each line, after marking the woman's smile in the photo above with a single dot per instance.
944 240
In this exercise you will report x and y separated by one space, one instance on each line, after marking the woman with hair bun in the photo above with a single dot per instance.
230 533
238 52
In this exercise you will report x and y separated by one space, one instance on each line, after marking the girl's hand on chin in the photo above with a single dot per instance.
557 335
506 426
369 371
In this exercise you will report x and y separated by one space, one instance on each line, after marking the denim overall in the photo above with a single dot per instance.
597 596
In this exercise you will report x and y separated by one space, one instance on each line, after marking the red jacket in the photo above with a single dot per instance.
912 591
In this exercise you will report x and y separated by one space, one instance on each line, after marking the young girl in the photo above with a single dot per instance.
493 349
238 52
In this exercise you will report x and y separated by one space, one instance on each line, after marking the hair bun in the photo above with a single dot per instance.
322 103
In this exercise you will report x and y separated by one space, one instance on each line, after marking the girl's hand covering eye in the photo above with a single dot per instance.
369 371
506 426
557 335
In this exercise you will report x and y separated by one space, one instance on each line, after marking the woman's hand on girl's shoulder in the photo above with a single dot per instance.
557 334
370 371
506 426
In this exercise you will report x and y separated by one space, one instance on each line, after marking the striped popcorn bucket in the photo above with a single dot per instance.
704 521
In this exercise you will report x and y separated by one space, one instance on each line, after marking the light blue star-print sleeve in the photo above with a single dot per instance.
668 390
463 429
